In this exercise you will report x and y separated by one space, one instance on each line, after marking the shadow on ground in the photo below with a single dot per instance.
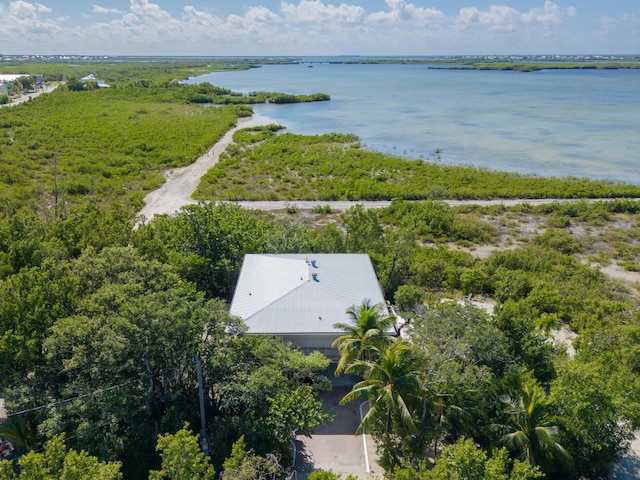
335 446
626 469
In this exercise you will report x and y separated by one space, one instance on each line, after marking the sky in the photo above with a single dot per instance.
319 27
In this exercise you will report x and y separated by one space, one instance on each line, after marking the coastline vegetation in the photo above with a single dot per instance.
100 321
270 166
535 66
118 70
532 63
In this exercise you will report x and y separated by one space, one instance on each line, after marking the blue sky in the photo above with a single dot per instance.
319 27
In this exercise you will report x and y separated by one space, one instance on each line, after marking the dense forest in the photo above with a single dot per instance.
101 317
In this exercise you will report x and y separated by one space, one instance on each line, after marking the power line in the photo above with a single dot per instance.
61 402
85 395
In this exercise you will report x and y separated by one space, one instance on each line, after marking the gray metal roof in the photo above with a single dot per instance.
280 294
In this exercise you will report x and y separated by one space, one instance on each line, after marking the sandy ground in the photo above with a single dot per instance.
632 279
564 336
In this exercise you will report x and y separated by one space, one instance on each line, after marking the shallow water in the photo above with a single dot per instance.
581 123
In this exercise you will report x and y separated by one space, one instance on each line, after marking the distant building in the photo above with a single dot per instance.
92 78
10 77
299 297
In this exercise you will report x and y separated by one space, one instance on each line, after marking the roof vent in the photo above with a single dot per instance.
313 264
315 277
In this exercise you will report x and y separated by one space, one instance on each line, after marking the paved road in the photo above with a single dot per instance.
346 205
30 96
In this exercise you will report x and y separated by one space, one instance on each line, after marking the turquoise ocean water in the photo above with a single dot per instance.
581 123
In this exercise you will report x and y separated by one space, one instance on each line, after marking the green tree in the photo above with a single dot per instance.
364 232
264 390
182 458
392 382
531 435
19 432
328 475
26 82
59 463
595 427
466 461
369 332
206 243
410 300
463 354
74 84
296 412
246 465
127 351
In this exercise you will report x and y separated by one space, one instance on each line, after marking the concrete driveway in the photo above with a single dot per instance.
335 446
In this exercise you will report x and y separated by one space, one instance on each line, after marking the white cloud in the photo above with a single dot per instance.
149 11
304 27
198 18
127 19
261 15
22 10
317 12
401 12
43 8
607 23
502 18
105 10
22 22
616 25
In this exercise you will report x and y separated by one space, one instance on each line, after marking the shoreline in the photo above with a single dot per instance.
552 130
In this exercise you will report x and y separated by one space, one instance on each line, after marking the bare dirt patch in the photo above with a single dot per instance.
564 337
616 271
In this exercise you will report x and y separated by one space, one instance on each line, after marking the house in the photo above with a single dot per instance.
300 297
92 78
6 82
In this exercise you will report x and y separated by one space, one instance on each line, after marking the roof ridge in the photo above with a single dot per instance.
277 300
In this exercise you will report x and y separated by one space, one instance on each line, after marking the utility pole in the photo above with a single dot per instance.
204 440
55 184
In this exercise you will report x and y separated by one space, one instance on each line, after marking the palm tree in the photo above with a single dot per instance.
369 330
531 433
19 433
392 383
